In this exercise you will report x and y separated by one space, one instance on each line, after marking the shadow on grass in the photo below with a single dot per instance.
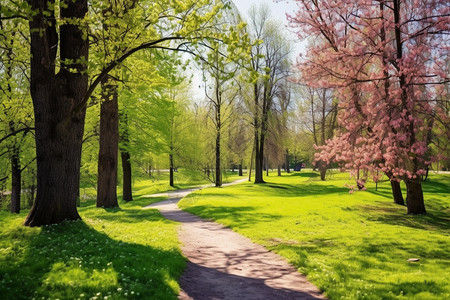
288 190
245 216
304 174
374 257
72 259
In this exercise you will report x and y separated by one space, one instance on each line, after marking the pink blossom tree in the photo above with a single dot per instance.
388 63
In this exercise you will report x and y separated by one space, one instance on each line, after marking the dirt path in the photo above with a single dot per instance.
225 265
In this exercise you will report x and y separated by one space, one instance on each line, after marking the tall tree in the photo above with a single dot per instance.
387 60
269 64
60 94
59 129
109 145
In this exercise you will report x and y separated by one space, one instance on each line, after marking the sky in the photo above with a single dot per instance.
278 9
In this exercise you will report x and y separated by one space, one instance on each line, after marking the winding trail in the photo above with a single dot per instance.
224 265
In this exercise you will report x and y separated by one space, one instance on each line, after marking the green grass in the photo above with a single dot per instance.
352 246
159 182
124 253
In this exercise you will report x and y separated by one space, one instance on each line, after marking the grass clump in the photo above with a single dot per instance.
352 246
123 253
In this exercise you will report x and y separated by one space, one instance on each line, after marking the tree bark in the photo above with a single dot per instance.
323 170
16 183
279 170
171 169
414 197
109 146
127 191
258 161
288 170
240 170
58 129
218 169
397 192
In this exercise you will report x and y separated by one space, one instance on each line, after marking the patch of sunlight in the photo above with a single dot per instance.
65 277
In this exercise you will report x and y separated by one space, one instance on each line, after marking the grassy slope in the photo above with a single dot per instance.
352 246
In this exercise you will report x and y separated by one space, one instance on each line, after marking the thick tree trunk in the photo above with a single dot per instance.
126 170
171 170
109 146
240 170
58 129
16 183
279 170
397 192
414 197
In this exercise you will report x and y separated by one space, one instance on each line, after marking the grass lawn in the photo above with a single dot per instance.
123 253
159 182
352 246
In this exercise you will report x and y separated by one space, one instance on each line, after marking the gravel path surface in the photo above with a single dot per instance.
225 265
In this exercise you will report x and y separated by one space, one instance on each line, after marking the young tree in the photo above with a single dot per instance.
320 117
15 116
388 62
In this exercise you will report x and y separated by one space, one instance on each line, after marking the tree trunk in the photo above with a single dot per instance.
251 163
258 166
397 192
218 171
16 185
171 169
240 170
126 170
322 170
279 170
109 146
266 163
58 129
414 197
287 162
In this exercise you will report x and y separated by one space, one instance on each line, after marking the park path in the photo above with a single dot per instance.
224 265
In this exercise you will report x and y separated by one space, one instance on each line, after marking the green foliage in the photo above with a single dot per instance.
352 246
126 253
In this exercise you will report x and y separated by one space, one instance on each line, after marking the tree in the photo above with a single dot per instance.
269 64
109 145
60 91
387 61
320 116
15 117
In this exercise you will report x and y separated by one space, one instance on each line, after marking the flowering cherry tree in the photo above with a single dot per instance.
388 63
